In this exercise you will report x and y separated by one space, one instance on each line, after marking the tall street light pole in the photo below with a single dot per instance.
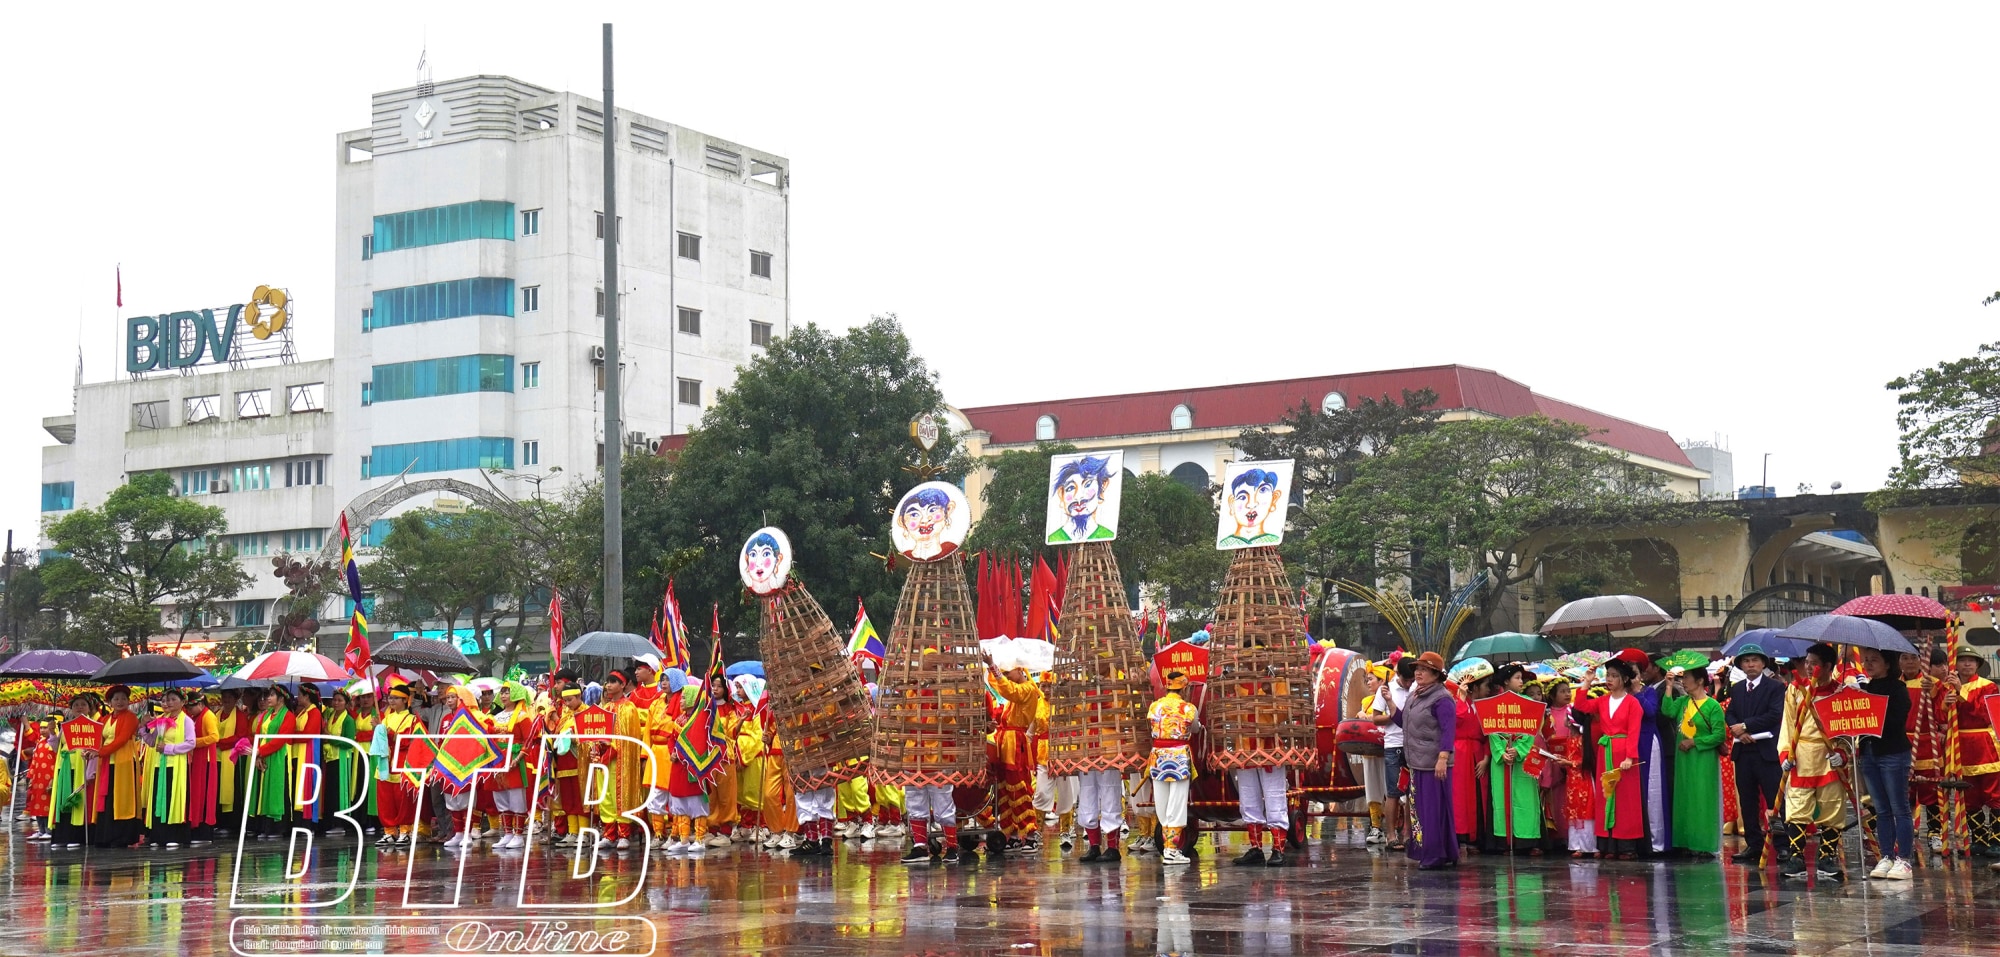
614 524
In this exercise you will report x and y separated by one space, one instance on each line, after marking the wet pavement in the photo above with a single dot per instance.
1345 899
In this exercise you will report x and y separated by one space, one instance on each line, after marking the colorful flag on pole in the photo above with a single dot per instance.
695 749
555 631
357 656
674 650
865 643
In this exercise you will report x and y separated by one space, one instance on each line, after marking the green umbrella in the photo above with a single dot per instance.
1685 658
1509 646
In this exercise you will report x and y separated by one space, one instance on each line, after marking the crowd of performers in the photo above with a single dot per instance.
1650 758
175 769
1639 759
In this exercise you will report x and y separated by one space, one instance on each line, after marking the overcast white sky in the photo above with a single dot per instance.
1734 219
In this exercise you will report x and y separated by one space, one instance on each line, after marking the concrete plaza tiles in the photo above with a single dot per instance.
1347 901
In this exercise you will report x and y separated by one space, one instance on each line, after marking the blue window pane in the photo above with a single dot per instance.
58 496
451 375
485 219
443 455
440 300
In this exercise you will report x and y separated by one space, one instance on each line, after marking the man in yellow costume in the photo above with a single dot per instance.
1172 765
1815 795
1015 737
629 779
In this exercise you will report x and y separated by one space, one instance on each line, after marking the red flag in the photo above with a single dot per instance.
1041 602
555 632
658 642
121 289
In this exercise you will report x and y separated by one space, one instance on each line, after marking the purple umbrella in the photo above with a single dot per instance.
51 663
1850 630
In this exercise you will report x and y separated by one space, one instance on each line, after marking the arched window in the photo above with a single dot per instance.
1333 402
1191 475
1182 418
1045 429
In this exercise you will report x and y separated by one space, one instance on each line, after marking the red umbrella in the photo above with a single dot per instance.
293 666
1901 612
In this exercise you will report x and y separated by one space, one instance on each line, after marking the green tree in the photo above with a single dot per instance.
812 438
1469 495
1016 501
143 548
1166 543
1949 419
443 569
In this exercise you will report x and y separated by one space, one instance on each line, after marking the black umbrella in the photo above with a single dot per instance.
233 683
148 670
610 644
425 654
51 663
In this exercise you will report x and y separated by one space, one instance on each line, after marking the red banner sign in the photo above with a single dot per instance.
594 720
82 733
1510 713
1191 660
1852 712
1993 709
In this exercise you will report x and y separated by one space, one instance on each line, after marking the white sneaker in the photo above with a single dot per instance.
719 840
844 830
472 836
1899 871
694 848
515 840
675 844
1375 835
624 843
770 841
1881 869
1173 855
788 842
456 840
867 832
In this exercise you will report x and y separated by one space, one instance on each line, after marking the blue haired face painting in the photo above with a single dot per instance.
766 562
931 522
1083 497
1253 504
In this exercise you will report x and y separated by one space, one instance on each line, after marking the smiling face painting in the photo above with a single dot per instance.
1253 504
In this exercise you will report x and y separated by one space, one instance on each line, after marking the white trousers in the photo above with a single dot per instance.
1054 794
511 801
1100 800
932 804
1260 793
1139 785
815 805
1170 802
1374 777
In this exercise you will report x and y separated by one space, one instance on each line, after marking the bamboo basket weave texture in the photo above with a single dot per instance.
1259 709
816 693
1097 709
932 719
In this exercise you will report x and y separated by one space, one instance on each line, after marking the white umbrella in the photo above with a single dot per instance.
1586 616
1032 654
292 666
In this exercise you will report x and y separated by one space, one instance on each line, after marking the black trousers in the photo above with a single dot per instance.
1756 794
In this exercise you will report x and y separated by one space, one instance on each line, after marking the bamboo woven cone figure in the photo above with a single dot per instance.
1098 729
1259 708
932 719
815 691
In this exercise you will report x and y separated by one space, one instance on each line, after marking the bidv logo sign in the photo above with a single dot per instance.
301 900
178 340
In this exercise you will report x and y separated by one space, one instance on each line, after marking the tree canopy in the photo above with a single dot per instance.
1949 419
144 547
813 438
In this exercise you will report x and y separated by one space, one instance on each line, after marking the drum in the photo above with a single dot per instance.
1359 736
1340 682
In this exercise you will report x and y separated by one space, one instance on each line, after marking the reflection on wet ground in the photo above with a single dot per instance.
1345 900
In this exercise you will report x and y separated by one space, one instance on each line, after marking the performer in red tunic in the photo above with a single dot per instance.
1620 805
38 741
1978 749
1468 786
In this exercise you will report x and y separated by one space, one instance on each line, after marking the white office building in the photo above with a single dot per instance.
470 278
469 245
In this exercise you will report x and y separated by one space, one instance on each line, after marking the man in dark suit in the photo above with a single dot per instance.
1756 707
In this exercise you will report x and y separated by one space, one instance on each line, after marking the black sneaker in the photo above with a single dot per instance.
826 847
1277 858
1796 871
951 855
1834 874
1252 856
1110 856
1094 854
1747 857
1031 846
918 854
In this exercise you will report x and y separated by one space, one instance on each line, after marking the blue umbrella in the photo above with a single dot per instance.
745 668
1767 640
1850 630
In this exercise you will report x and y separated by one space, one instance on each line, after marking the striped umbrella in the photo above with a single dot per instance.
292 665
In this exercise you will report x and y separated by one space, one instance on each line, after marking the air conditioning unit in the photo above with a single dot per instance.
597 354
219 486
